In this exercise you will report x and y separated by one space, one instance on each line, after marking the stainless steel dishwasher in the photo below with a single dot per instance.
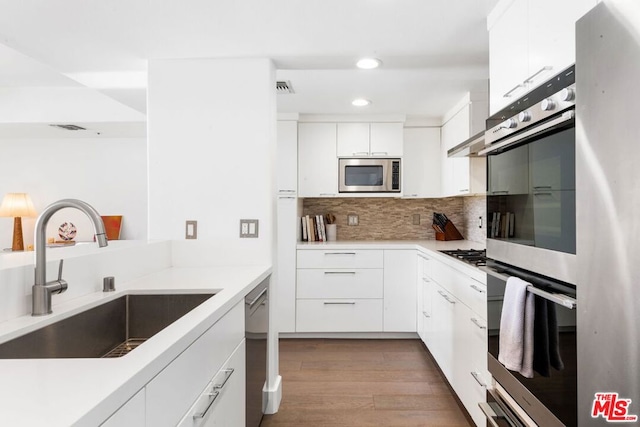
256 319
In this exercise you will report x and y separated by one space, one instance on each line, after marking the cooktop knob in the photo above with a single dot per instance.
510 124
567 94
548 104
524 116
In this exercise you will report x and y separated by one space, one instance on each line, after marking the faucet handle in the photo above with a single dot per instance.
60 270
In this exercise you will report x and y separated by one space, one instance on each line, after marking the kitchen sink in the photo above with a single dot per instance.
112 329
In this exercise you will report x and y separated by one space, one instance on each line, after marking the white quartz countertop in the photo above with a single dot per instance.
84 392
427 247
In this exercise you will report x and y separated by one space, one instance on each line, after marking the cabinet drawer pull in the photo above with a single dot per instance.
256 299
339 272
478 324
227 375
424 279
508 94
328 194
500 192
446 297
424 257
286 197
466 190
286 191
339 253
213 396
424 313
543 194
540 71
379 153
476 376
542 187
475 288
339 303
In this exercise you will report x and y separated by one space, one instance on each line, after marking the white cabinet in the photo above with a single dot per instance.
317 160
285 271
339 291
222 402
457 337
400 291
287 157
463 175
131 414
421 162
425 298
369 139
528 45
174 390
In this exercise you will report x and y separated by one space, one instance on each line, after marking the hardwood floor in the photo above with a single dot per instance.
362 383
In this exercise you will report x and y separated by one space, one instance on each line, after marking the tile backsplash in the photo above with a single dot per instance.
387 218
474 208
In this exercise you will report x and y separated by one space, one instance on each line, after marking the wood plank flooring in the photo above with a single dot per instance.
379 383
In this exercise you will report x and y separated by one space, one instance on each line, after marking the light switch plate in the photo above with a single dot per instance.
191 230
248 228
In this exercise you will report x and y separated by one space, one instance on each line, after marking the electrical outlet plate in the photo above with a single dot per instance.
352 219
416 219
248 228
191 230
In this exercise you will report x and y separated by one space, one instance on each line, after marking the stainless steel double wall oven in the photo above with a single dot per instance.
531 234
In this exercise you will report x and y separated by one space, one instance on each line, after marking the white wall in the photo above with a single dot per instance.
211 129
109 174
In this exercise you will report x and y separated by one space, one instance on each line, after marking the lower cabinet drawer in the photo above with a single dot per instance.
222 401
334 283
175 389
339 315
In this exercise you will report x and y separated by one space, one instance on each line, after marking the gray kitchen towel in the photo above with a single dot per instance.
516 328
546 338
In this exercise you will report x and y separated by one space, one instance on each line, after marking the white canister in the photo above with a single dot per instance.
331 232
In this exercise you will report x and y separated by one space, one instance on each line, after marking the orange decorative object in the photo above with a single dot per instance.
113 225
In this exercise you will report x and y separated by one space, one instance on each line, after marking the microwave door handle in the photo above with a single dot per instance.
565 117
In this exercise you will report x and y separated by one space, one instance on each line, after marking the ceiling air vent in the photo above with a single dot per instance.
68 127
284 87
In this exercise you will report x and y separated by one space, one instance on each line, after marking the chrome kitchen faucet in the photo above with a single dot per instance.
42 290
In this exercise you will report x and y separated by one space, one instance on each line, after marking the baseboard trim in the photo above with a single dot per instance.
352 335
273 397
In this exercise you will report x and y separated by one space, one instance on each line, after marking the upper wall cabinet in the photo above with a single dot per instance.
369 139
463 175
421 162
528 45
317 162
287 157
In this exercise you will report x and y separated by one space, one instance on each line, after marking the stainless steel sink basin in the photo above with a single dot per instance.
108 330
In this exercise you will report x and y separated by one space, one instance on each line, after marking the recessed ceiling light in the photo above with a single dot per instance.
361 102
368 63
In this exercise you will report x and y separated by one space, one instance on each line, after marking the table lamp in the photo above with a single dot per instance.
17 205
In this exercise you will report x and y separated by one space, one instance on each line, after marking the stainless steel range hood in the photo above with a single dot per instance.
468 148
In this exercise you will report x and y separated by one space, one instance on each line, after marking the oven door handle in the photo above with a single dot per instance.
565 117
563 300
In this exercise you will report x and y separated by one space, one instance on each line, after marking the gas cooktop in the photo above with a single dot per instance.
477 257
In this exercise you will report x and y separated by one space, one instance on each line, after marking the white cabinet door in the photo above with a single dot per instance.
317 161
222 403
441 346
455 171
386 139
131 414
353 139
421 162
285 274
287 157
479 376
400 290
339 315
508 56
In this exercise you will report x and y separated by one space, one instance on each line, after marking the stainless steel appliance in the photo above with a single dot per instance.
530 148
550 397
370 175
256 331
608 171
477 257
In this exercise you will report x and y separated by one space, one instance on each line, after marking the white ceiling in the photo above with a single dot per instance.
432 51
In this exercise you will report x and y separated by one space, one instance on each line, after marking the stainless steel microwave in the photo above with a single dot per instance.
371 175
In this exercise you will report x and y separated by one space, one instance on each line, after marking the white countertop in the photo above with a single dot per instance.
427 247
84 392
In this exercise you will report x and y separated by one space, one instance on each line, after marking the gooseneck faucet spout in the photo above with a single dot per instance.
42 290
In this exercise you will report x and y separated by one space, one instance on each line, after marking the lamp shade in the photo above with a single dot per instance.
17 205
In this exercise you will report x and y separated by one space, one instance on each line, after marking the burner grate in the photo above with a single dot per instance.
125 348
475 257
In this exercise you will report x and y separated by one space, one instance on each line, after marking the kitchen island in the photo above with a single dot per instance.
86 392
